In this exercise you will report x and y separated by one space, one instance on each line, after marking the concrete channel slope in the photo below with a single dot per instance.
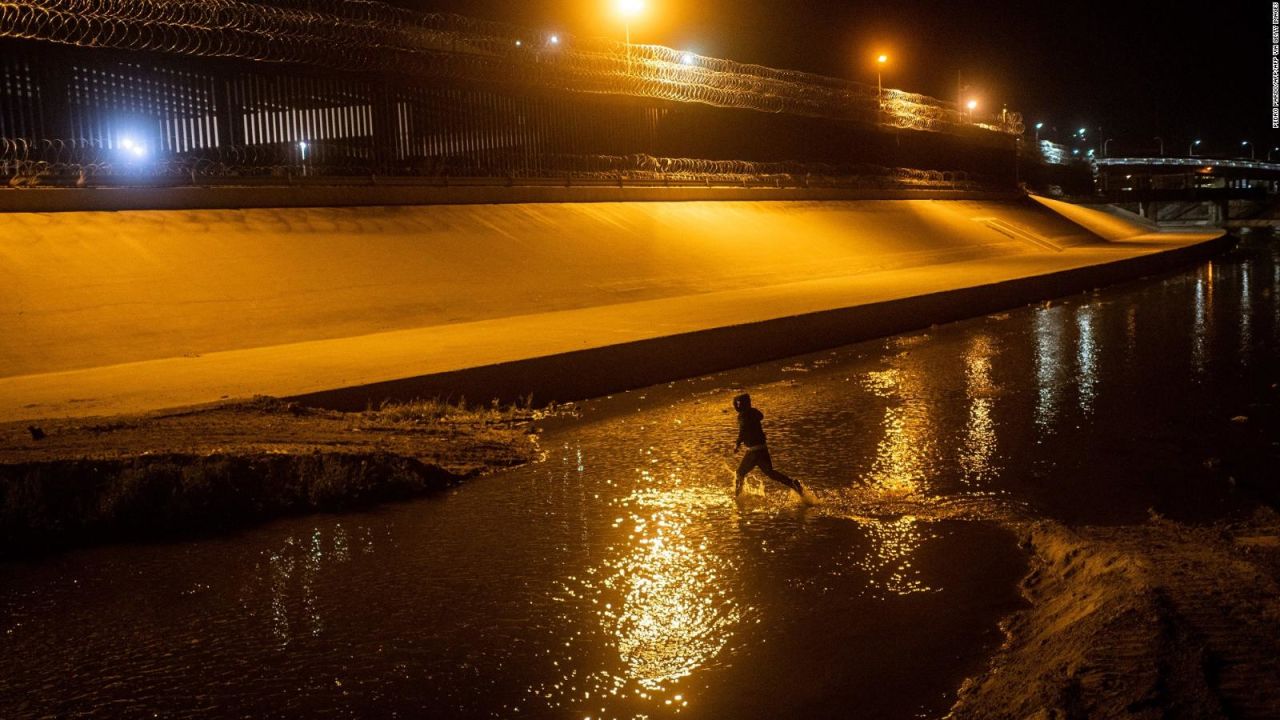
110 312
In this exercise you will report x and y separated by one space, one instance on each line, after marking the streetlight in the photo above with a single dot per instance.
972 105
880 61
1191 149
1161 141
1038 126
1252 156
1105 144
1272 150
629 9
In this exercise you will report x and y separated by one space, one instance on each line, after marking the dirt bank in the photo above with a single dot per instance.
158 475
1160 620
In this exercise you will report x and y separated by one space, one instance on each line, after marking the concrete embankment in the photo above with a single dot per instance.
108 312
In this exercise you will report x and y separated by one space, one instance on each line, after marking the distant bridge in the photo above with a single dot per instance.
1194 190
103 92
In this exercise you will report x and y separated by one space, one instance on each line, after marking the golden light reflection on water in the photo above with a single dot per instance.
889 564
979 443
664 599
1048 339
903 451
1202 331
677 613
1086 358
899 474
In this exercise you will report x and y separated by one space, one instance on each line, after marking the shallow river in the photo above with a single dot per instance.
619 578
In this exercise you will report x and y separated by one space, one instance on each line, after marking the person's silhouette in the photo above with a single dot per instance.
751 434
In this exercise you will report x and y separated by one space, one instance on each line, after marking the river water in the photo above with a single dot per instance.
620 578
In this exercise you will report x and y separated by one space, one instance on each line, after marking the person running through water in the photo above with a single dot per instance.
751 434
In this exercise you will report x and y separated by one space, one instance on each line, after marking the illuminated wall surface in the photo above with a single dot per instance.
183 90
91 289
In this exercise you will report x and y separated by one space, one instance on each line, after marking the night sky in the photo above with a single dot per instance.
1178 70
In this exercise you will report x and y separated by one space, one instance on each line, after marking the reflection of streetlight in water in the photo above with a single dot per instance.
980 436
903 453
667 600
898 478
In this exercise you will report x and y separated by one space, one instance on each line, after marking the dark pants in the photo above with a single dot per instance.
760 459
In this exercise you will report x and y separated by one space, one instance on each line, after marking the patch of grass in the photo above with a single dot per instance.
436 415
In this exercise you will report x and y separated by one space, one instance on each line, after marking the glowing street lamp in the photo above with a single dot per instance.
1191 149
880 63
1252 156
1038 126
972 105
629 10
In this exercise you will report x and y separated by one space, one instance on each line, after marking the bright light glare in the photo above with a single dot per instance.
555 39
126 143
688 59
973 104
882 59
630 8
138 151
1080 131
1039 125
519 43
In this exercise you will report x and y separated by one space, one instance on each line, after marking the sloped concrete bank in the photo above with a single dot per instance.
129 312
614 368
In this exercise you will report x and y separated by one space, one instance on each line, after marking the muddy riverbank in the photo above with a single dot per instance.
1155 620
185 472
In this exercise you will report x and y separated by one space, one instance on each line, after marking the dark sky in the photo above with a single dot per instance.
1178 70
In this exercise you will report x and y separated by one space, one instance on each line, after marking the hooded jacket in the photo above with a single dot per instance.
750 432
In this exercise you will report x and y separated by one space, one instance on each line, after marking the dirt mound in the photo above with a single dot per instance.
1159 620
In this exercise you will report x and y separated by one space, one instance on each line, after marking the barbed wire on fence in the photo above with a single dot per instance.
363 35
30 163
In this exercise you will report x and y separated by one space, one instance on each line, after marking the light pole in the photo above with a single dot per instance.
1105 145
1272 150
1161 141
1191 149
972 105
880 61
1038 126
1252 156
629 9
